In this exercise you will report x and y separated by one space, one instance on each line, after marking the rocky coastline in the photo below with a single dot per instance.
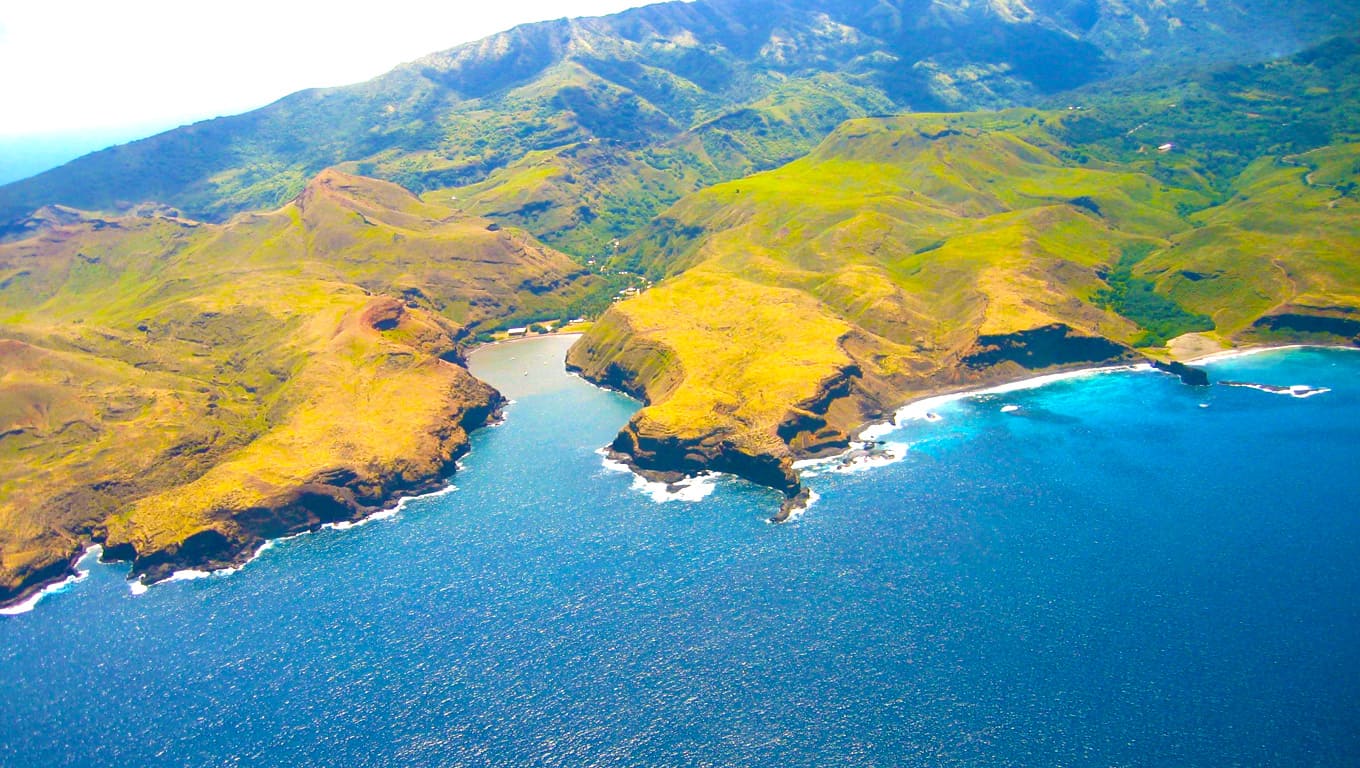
805 434
826 423
669 459
338 495
349 494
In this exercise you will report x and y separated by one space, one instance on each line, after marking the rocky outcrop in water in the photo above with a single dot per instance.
1190 375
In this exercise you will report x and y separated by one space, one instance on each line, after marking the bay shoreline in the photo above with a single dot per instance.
919 408
29 599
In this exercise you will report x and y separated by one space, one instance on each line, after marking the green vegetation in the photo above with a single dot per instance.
930 251
682 95
1221 121
1161 318
164 380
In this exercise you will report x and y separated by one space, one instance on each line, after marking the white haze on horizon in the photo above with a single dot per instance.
86 74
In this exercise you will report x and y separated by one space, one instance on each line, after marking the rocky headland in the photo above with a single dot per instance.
825 422
180 391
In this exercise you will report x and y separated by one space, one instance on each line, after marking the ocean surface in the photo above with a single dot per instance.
1115 570
25 156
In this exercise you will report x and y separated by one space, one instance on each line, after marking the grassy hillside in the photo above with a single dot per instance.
180 390
910 254
683 93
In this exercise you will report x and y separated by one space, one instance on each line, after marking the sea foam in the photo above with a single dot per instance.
82 572
611 464
859 458
139 587
1293 390
926 409
692 489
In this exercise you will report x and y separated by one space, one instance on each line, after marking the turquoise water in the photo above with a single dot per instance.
1109 575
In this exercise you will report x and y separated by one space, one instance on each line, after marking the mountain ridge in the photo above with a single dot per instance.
261 159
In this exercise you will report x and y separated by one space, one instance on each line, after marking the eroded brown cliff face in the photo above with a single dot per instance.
1339 322
343 493
1044 347
153 512
180 391
843 400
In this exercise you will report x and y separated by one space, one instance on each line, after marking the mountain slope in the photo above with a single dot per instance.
722 87
926 252
180 391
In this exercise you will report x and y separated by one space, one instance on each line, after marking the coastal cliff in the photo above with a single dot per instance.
926 254
761 444
344 493
181 391
339 454
612 355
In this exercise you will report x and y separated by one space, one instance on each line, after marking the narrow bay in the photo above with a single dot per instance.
1116 570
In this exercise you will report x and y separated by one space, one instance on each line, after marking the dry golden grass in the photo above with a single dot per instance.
901 244
161 376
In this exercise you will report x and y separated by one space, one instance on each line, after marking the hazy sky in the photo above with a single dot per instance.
110 67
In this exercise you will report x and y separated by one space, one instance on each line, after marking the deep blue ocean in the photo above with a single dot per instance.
1120 571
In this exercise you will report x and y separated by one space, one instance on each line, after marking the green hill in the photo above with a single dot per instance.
931 252
215 335
181 391
681 94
